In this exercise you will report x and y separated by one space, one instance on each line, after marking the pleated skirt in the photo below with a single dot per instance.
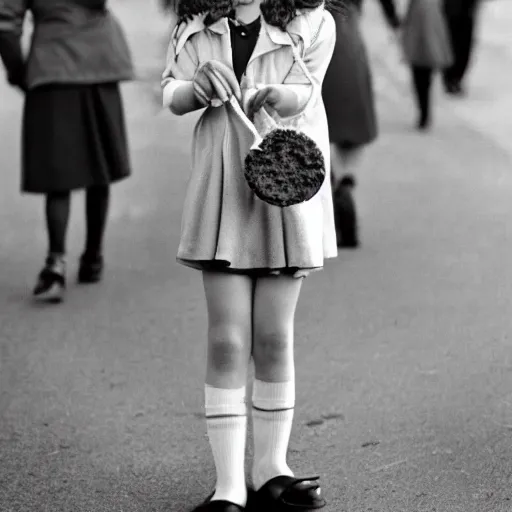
425 35
74 137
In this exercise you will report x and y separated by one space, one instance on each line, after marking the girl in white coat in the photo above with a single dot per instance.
252 255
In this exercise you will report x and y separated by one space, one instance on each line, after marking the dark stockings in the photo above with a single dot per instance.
96 211
57 219
461 31
422 80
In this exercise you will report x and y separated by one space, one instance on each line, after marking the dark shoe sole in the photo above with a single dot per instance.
274 497
348 245
89 279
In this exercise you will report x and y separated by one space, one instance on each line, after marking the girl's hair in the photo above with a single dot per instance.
275 12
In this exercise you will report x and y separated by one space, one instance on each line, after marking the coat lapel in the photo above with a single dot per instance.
300 29
270 39
183 32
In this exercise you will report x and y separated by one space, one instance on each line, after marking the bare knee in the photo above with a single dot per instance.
272 347
227 350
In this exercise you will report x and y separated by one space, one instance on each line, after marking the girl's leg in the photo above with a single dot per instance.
346 158
422 82
51 280
352 156
97 201
273 401
57 219
229 301
337 163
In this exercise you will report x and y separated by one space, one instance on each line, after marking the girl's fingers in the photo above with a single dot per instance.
202 87
221 85
228 84
258 100
227 73
201 94
222 93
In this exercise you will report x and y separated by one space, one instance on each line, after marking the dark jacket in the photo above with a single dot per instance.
74 42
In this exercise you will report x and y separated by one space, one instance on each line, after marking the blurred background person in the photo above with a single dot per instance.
461 18
74 133
427 48
349 101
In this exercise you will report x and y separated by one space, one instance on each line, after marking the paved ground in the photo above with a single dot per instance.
403 347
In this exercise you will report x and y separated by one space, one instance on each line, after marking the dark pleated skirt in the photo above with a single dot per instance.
348 89
425 35
74 137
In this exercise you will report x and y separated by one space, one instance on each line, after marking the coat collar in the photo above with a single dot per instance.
271 38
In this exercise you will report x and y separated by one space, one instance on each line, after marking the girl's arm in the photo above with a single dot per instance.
12 15
177 80
180 97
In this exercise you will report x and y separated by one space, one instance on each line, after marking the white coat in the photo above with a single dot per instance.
223 221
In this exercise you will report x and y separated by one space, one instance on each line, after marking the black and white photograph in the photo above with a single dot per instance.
255 255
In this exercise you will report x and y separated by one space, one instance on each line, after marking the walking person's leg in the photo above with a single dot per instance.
58 205
422 84
461 30
450 74
229 301
467 29
108 158
345 159
273 400
97 201
52 280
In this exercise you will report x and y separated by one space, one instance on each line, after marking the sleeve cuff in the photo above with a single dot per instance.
169 90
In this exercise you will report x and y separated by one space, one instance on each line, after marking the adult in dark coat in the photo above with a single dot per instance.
461 18
73 121
350 105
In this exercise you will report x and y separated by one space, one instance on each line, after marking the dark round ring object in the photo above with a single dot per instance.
288 168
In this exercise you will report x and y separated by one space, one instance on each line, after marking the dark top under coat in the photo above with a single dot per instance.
243 41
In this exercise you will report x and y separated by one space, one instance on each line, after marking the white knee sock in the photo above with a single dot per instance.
226 422
272 415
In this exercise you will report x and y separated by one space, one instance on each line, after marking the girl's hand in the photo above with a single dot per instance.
203 88
283 100
223 80
215 80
